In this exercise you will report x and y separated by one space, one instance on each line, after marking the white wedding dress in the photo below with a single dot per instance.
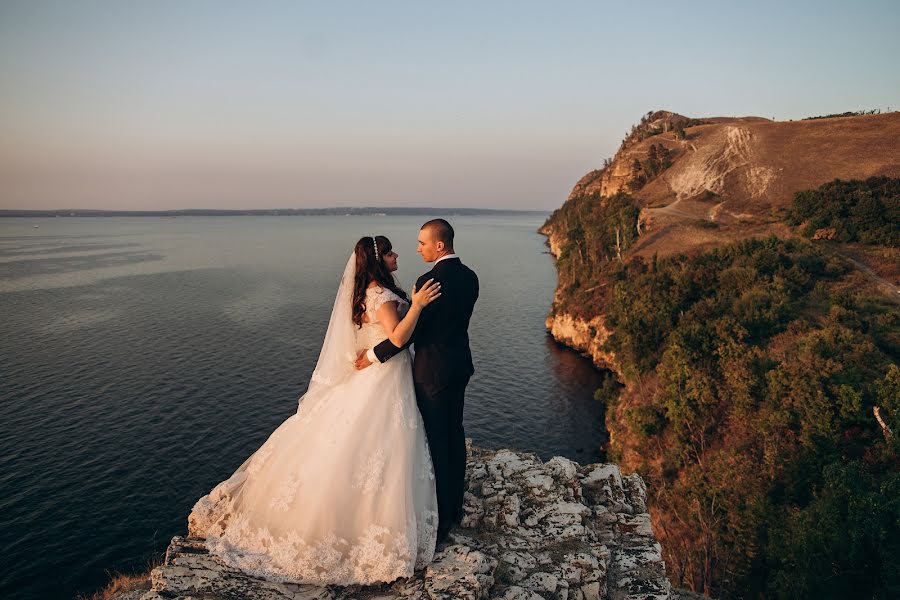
343 491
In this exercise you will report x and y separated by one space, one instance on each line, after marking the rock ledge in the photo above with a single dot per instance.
532 530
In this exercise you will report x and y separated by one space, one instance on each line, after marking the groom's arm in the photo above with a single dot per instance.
384 351
380 353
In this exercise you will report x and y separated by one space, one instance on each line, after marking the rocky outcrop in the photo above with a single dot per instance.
531 530
618 173
586 336
554 239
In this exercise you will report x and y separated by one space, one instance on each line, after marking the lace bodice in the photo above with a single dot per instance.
372 333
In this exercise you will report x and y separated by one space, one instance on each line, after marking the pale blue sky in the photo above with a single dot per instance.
188 104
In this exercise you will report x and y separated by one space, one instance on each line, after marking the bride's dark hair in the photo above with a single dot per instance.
369 269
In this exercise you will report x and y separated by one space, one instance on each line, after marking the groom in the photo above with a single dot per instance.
442 365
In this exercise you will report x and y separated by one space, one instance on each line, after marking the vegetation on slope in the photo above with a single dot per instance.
594 230
753 373
771 473
857 113
659 158
857 211
657 122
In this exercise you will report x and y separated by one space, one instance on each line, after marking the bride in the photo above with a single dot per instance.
342 492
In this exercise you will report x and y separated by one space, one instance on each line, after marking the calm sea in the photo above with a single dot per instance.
143 359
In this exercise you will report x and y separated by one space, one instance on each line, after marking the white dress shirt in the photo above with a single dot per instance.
443 257
370 353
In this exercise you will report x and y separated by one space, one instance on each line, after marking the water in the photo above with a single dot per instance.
143 359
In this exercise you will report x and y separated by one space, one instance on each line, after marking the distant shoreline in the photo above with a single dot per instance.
269 212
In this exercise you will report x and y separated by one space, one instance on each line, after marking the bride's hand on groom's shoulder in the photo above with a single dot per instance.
428 293
362 361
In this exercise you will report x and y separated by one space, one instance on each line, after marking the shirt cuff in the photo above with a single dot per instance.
370 353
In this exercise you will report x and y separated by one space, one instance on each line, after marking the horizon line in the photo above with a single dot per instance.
269 211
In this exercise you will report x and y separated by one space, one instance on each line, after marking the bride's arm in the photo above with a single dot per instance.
397 330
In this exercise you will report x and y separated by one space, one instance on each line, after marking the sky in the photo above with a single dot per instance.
194 104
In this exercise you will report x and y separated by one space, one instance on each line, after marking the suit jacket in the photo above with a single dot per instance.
441 336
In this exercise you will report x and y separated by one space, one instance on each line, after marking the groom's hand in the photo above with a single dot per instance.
362 361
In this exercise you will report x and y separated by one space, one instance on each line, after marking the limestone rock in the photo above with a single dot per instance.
532 530
587 336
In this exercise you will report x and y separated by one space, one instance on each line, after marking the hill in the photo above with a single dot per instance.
739 279
716 181
739 173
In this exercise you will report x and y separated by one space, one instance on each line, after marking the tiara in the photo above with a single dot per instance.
375 243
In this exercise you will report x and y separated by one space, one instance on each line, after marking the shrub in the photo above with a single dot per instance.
858 211
759 434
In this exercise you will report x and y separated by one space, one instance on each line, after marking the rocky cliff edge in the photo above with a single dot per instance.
532 530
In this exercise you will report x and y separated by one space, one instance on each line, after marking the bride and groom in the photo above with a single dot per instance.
362 482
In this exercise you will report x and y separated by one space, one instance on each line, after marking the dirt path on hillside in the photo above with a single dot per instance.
886 287
670 209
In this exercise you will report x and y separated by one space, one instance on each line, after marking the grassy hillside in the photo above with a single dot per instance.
737 175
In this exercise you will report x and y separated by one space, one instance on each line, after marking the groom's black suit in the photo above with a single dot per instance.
441 369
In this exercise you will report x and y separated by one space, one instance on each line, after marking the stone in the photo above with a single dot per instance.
541 582
562 469
517 593
459 571
531 530
511 511
591 591
635 491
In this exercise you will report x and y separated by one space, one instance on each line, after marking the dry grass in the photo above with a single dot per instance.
754 166
796 155
121 583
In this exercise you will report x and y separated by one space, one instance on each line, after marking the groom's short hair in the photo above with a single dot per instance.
441 230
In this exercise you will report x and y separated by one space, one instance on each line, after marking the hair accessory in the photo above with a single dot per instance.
375 243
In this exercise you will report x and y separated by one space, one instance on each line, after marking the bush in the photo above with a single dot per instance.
858 211
844 542
705 224
595 230
759 432
608 392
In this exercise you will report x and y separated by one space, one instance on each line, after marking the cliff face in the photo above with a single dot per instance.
617 175
586 336
531 530
722 180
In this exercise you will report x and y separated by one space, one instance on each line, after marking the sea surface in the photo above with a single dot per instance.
142 359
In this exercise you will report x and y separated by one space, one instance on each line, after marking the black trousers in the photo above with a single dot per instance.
441 407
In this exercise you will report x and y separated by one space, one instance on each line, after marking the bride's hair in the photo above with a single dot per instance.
368 269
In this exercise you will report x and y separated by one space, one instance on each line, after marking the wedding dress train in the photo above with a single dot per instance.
342 492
